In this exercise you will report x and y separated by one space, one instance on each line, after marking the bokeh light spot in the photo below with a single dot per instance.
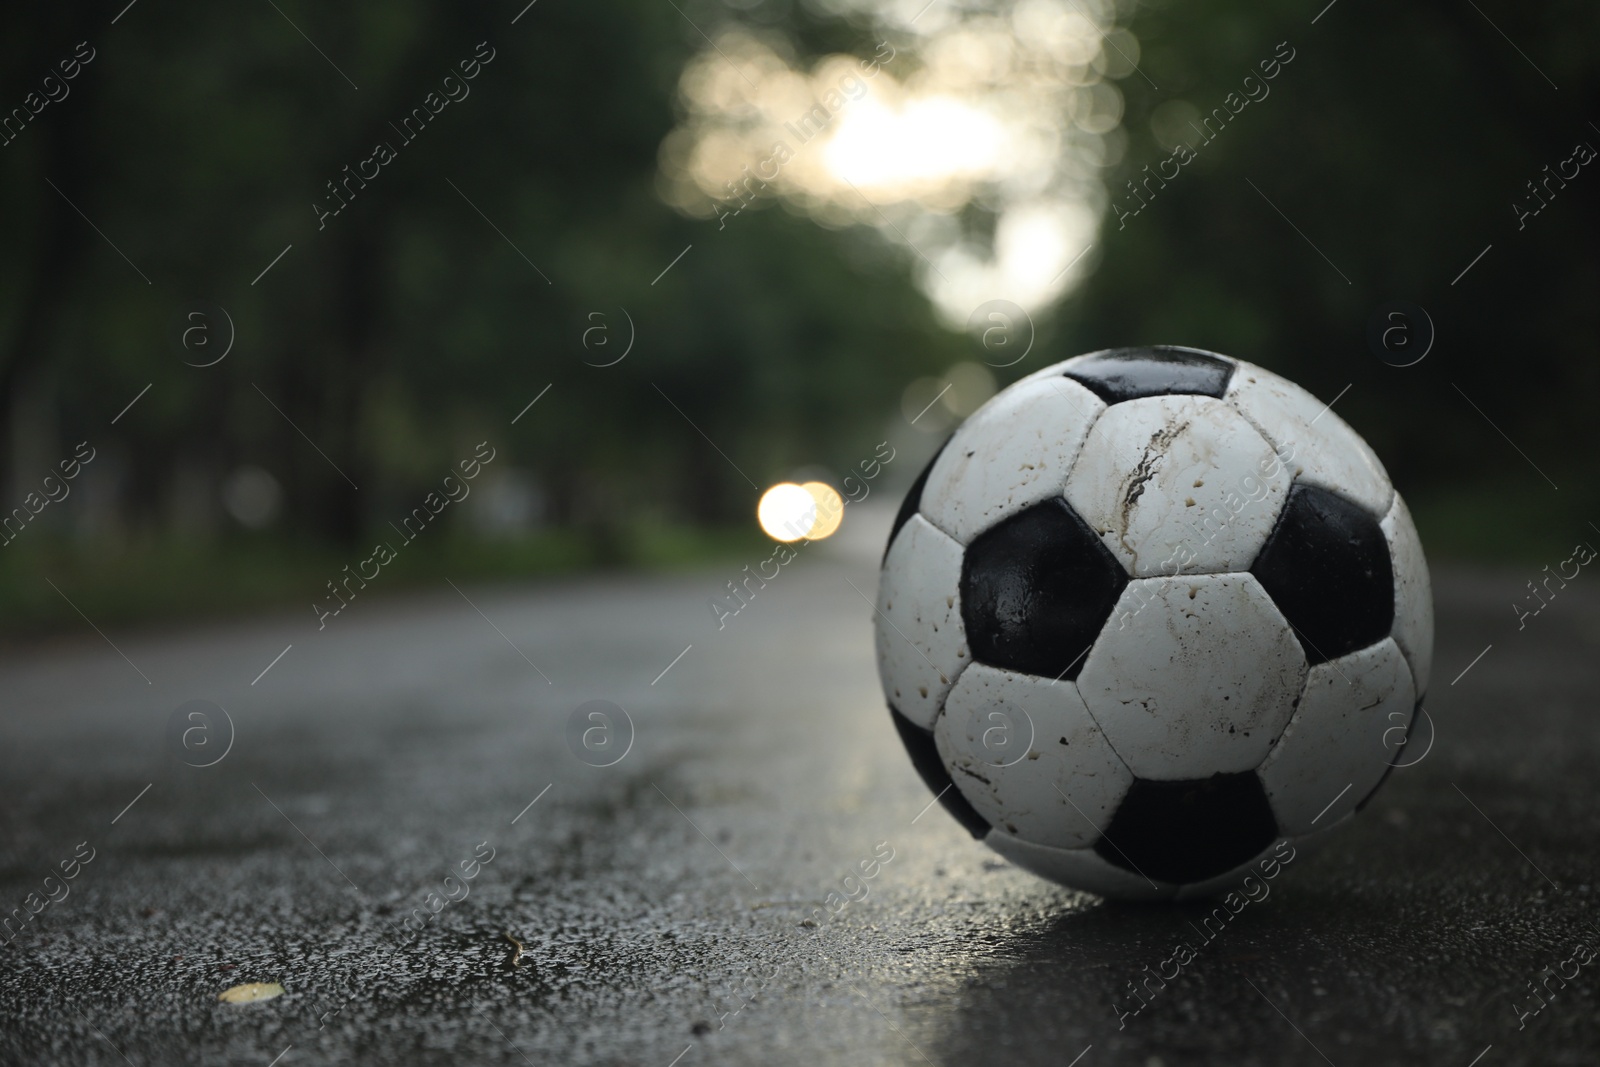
787 512
830 510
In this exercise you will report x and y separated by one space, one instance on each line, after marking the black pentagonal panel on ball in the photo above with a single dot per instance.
1119 374
1036 589
1189 831
913 500
925 758
1326 566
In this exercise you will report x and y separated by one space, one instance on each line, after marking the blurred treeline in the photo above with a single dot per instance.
1398 140
407 330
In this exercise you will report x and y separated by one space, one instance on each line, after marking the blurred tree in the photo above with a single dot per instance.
1397 141
459 281
455 285
42 139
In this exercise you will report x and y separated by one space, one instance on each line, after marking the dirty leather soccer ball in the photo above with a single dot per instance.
1148 612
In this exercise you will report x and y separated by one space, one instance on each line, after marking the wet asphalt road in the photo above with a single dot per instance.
662 902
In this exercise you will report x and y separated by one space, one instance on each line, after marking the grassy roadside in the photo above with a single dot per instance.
164 580
1524 522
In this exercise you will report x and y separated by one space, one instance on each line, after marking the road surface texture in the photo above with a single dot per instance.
665 904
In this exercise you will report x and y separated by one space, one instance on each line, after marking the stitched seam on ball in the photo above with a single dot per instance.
1390 525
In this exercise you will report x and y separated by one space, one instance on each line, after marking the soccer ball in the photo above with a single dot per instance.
1149 612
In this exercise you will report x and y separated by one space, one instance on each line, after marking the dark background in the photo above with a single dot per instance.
198 137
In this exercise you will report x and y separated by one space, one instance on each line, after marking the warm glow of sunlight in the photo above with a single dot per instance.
1008 108
892 153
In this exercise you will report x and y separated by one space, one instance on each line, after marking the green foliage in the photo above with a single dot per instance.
169 578
408 327
1396 140
402 330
